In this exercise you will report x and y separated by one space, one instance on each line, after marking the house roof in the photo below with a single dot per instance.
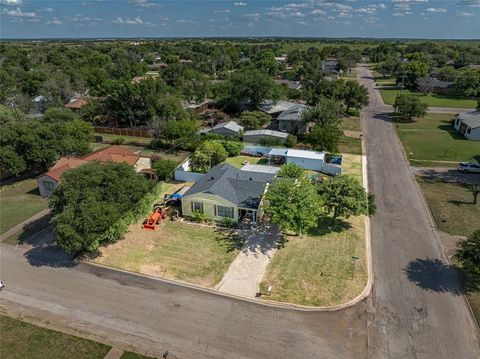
472 120
432 81
261 169
330 66
292 114
293 85
265 133
296 153
243 188
271 107
76 103
230 125
116 154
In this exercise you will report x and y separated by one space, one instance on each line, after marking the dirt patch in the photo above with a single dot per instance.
352 134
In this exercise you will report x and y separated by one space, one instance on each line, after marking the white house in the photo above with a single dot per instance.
468 124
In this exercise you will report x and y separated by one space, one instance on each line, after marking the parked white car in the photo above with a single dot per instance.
469 167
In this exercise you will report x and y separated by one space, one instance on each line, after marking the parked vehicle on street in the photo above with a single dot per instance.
469 167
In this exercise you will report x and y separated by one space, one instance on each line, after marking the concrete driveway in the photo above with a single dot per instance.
247 269
447 175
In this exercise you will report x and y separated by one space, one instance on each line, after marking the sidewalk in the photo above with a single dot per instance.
247 270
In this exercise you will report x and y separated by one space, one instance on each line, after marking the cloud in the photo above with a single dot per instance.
240 3
464 13
221 11
297 14
83 4
81 18
472 3
145 4
55 21
47 9
127 21
318 12
18 13
11 2
185 21
436 10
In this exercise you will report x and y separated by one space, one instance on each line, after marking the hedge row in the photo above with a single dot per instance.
140 210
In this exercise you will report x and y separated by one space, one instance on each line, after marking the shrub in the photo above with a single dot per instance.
232 147
207 155
198 216
118 141
290 170
291 141
229 223
253 120
164 169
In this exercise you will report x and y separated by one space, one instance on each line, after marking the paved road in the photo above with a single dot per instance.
416 308
158 316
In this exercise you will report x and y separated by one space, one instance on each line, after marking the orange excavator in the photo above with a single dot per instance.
155 218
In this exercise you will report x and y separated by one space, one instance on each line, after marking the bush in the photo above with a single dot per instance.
164 169
469 252
290 170
207 155
254 120
198 216
291 141
229 223
118 141
232 147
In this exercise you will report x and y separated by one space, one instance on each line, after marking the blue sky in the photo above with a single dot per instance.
317 18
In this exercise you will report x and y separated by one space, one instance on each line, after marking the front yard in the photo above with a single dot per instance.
318 268
432 141
389 95
239 160
175 250
18 202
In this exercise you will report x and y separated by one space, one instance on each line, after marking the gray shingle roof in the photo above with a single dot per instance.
243 188
472 120
230 125
265 133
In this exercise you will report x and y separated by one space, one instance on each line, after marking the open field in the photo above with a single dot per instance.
451 206
433 138
318 269
238 161
24 340
18 202
175 250
389 95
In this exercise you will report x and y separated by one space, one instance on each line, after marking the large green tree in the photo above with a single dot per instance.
355 96
293 204
90 199
207 155
408 106
469 252
254 120
343 196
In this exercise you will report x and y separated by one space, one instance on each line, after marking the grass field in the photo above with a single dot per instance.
23 340
451 206
29 230
127 139
318 269
130 355
350 145
433 138
351 124
390 94
18 202
238 161
175 250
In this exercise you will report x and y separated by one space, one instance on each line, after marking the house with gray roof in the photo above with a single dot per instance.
227 192
468 124
229 129
286 116
259 136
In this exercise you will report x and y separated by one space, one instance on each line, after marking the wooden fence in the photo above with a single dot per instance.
130 132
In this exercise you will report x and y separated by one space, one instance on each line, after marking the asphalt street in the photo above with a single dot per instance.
417 309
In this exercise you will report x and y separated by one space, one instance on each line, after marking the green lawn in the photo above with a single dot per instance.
130 355
471 285
238 161
451 206
29 230
18 202
350 145
23 340
177 156
389 96
317 269
351 124
127 139
432 139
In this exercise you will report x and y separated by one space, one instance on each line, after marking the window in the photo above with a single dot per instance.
469 130
222 211
197 206
49 186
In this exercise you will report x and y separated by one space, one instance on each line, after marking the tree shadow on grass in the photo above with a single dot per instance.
43 251
229 238
325 226
434 275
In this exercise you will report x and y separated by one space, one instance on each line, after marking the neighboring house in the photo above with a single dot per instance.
227 192
309 160
292 85
229 129
286 115
258 136
468 124
433 85
40 103
76 104
49 180
331 68
137 79
199 107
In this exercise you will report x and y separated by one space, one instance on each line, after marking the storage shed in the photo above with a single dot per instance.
257 136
